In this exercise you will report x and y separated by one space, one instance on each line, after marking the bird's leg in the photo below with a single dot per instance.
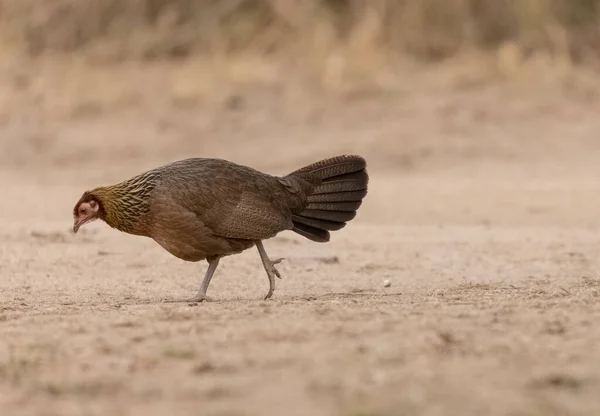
213 262
269 266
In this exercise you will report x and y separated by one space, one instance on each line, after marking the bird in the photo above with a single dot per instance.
208 208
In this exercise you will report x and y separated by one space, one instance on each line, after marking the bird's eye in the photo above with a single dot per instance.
82 211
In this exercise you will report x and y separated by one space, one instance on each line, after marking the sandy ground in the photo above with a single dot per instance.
482 213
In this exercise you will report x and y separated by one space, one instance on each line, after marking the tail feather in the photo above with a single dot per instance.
338 186
332 167
347 177
321 224
335 206
338 216
337 197
350 182
312 233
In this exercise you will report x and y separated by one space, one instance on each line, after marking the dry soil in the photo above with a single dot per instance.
482 213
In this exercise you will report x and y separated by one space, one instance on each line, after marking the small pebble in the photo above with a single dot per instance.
387 283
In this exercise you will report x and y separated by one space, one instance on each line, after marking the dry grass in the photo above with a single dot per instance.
425 29
207 50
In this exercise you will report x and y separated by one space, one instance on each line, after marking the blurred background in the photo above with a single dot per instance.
414 86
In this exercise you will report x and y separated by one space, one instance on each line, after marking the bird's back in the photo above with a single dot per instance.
222 199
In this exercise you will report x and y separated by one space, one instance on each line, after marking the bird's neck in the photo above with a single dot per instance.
125 206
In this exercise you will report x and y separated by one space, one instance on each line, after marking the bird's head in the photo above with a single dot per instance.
87 209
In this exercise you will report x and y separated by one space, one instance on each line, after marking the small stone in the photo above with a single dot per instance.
387 283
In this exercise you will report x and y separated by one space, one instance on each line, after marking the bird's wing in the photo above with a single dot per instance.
233 201
248 209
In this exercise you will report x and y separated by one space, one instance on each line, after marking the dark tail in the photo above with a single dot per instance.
339 185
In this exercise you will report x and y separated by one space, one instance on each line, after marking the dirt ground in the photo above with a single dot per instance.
482 213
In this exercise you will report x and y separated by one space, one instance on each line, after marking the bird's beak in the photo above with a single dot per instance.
77 223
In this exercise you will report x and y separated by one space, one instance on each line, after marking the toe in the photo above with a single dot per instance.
198 299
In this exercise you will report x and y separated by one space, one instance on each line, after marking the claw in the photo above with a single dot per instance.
198 299
195 299
270 268
273 263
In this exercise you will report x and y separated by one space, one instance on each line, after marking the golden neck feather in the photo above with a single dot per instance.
125 206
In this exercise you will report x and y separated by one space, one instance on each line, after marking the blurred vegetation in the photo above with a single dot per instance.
428 30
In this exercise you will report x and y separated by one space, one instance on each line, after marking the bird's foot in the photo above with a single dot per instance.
199 298
195 299
272 271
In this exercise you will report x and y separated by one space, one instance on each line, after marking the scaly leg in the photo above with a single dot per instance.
213 262
269 266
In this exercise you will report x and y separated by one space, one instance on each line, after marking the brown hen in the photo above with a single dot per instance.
200 208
